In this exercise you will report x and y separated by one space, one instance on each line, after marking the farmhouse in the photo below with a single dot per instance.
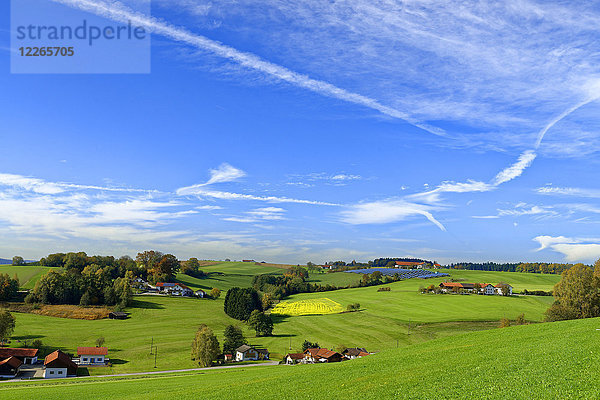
310 355
59 365
484 288
410 264
175 289
247 353
355 352
321 355
91 355
498 288
27 356
9 367
293 358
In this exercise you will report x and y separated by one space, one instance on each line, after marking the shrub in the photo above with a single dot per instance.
520 320
353 307
504 323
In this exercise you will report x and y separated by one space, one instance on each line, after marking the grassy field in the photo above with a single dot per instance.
226 275
28 275
555 361
399 317
321 306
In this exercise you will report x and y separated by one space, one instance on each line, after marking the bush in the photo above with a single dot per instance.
520 320
504 323
387 289
353 307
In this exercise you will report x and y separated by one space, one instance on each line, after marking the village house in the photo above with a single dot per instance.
484 288
355 352
321 355
498 288
200 293
139 283
9 367
174 289
59 365
410 264
293 358
27 356
92 355
249 353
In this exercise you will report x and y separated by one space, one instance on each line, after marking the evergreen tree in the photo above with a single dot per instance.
234 338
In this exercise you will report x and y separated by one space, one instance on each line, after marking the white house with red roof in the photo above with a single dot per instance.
175 289
92 355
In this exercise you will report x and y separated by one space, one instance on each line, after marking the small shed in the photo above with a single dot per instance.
293 358
118 315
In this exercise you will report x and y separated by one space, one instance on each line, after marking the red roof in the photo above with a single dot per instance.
92 351
313 352
409 263
296 356
362 354
12 361
6 352
325 353
61 357
451 284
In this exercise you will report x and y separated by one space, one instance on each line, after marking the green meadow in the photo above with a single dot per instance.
557 360
28 275
400 317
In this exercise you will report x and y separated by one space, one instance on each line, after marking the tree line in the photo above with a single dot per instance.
536 268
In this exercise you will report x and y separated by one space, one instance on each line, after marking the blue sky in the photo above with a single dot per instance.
313 132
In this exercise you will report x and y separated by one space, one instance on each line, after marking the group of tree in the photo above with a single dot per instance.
240 302
206 349
261 323
309 345
377 263
18 261
191 267
537 268
577 294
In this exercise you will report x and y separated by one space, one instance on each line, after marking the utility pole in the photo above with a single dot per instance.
409 327
151 345
290 343
155 354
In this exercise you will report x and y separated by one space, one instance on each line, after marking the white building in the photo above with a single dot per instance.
92 355
174 289
59 365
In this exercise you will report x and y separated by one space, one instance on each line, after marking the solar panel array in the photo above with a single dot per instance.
403 273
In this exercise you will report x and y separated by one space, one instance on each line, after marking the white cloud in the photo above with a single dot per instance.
224 173
260 215
202 193
574 249
515 170
209 208
387 211
568 191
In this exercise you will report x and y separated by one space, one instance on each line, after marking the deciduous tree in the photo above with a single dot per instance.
205 347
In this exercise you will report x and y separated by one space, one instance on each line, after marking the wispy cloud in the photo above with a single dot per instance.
259 215
116 11
217 194
224 173
387 211
568 191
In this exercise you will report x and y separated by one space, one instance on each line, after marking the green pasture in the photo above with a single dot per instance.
28 275
399 317
541 361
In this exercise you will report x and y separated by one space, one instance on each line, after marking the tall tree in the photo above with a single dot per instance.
240 302
7 325
8 287
234 338
205 347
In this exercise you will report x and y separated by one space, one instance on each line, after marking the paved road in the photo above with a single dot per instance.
271 363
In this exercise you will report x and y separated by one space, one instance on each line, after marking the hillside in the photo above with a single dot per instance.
28 275
399 317
553 360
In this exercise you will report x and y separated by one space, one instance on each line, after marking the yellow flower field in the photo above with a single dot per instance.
308 307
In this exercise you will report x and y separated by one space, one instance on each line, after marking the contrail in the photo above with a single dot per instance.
121 13
561 117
